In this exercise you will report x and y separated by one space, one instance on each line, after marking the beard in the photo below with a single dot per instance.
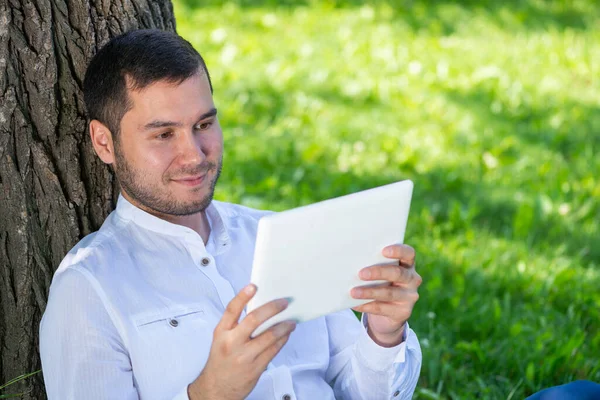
155 196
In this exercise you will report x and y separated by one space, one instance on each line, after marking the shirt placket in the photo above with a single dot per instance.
207 264
283 389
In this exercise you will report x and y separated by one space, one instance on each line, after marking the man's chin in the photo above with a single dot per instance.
192 207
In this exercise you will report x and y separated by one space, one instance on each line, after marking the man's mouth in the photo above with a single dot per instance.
194 180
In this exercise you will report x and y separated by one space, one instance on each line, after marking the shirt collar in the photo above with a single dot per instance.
219 237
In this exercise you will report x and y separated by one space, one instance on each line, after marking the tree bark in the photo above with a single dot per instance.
53 188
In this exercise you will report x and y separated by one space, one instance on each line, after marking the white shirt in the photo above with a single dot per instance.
132 309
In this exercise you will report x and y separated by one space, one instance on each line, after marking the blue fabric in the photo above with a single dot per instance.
578 390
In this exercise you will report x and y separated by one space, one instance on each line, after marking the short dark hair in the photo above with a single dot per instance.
138 58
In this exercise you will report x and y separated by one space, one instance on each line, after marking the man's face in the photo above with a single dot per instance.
169 151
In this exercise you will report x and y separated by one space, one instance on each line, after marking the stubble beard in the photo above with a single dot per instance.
155 197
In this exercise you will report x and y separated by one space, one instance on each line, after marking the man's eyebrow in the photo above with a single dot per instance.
210 113
170 124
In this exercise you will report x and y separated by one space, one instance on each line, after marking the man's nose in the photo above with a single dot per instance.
191 150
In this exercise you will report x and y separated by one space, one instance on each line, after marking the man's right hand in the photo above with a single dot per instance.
236 361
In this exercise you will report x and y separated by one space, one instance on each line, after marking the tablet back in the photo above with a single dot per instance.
312 254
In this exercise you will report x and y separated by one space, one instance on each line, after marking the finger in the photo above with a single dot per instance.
390 273
268 338
234 309
394 311
386 293
405 253
266 356
260 315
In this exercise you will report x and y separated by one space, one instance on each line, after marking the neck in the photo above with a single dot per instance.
197 222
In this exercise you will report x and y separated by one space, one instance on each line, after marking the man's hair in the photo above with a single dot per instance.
135 60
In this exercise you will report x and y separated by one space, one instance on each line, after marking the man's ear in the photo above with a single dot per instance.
102 140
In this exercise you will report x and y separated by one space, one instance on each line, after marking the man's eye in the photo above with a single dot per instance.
203 126
165 135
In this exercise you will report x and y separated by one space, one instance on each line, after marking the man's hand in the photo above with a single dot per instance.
393 303
236 361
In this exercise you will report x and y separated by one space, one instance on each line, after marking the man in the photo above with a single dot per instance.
152 305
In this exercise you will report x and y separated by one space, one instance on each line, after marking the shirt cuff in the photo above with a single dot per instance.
376 357
182 394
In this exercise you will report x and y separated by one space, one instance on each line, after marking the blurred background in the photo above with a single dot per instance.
492 108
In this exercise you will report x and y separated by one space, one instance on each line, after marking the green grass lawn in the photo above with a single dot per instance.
492 109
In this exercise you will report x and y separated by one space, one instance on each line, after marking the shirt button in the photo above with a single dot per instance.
174 323
396 393
286 397
205 261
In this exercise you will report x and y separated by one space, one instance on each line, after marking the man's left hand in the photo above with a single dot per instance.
393 303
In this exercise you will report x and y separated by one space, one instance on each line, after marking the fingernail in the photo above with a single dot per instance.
279 330
365 273
284 328
357 292
292 325
283 303
250 289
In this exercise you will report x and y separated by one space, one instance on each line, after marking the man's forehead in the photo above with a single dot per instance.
176 102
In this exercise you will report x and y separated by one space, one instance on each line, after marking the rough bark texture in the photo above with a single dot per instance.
53 189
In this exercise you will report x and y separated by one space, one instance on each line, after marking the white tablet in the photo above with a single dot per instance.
312 254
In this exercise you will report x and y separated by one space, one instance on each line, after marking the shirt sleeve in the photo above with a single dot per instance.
81 350
361 369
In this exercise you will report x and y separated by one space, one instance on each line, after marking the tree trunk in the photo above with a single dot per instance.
53 189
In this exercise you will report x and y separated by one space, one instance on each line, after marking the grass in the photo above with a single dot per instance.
491 108
12 382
